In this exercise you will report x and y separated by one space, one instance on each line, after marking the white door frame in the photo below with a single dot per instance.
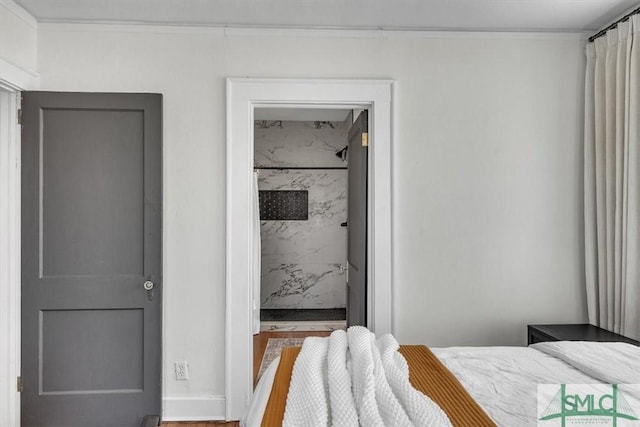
243 95
13 79
9 257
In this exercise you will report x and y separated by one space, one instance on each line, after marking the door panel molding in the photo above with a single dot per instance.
243 95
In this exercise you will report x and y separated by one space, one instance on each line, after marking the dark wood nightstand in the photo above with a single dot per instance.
575 332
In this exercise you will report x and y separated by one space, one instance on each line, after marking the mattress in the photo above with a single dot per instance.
504 380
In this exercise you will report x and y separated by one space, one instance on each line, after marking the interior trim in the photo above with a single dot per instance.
9 257
205 408
20 12
14 78
239 31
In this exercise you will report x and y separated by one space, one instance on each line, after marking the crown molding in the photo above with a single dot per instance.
227 31
20 12
14 77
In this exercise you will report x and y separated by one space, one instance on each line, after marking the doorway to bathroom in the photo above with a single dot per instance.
301 160
244 95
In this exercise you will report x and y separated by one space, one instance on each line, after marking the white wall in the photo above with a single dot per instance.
487 174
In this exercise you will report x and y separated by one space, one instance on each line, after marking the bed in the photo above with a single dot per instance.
503 381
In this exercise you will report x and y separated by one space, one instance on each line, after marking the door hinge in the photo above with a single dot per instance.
20 116
20 385
365 139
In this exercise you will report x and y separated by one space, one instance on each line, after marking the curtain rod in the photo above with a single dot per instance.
615 24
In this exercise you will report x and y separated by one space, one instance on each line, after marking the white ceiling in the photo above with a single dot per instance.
460 15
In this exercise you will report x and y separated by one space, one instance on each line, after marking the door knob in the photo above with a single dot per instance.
148 285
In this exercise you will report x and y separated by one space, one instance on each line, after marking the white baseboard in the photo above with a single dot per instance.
208 408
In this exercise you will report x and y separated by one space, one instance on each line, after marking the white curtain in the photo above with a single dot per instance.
612 179
257 254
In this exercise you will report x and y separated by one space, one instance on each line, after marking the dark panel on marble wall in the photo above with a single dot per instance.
284 205
288 314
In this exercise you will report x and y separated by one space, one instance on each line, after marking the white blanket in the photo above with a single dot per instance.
352 379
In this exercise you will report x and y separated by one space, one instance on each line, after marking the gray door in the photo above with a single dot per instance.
91 238
357 223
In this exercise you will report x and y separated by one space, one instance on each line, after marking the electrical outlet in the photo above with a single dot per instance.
182 370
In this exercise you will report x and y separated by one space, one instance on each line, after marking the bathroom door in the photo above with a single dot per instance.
357 222
91 258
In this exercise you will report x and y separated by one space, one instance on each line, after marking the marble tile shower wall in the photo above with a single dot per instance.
302 260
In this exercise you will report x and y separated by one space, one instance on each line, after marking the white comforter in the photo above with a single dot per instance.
503 380
352 379
611 363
